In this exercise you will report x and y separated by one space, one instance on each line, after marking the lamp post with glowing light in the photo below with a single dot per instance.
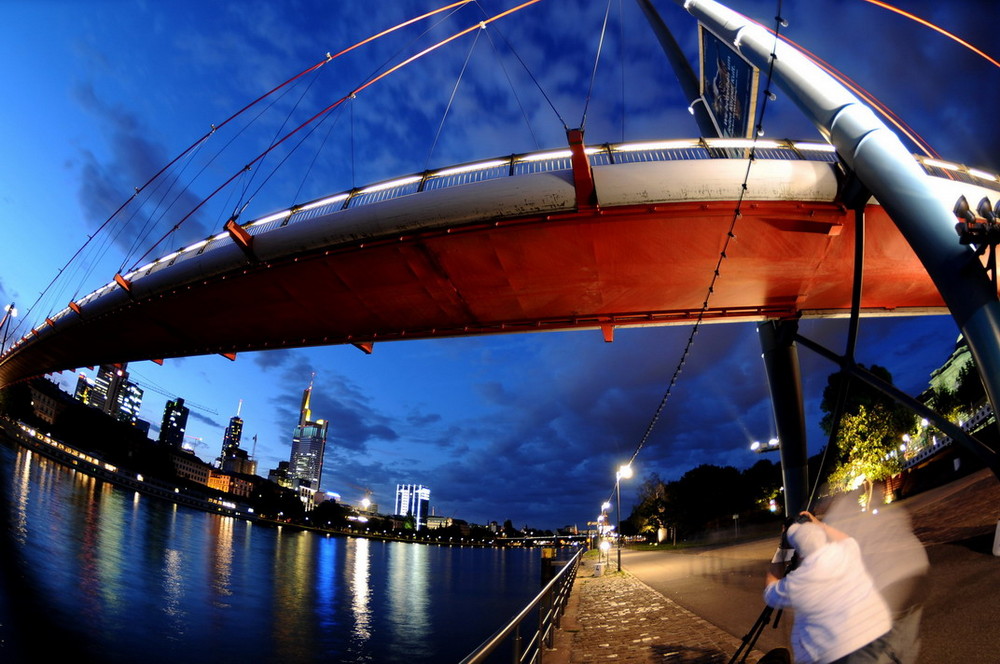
624 472
9 311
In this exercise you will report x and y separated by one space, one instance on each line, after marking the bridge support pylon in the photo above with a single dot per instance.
781 363
886 168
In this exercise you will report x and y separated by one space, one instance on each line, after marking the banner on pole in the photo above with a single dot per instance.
728 86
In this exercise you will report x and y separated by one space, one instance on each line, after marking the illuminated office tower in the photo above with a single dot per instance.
234 433
413 499
128 403
112 392
107 385
305 468
84 388
175 416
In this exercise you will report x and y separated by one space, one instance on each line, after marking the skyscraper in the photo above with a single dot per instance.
128 402
305 468
413 499
112 392
234 433
175 416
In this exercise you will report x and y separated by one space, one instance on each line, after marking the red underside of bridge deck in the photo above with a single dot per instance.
622 267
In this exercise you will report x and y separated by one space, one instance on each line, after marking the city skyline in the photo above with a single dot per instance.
496 421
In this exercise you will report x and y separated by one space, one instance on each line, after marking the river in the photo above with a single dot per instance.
98 573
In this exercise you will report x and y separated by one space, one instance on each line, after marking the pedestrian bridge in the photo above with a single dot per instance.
593 237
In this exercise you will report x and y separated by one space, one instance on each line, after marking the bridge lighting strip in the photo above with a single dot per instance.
284 214
323 201
196 245
742 143
470 168
982 175
391 184
958 168
946 165
556 154
814 147
658 145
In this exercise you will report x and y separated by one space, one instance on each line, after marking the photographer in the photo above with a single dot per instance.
840 618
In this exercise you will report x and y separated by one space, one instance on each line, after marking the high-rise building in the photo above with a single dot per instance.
107 387
415 500
233 435
84 386
175 416
279 475
129 401
112 392
305 467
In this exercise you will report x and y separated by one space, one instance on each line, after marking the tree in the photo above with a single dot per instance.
969 390
867 443
861 394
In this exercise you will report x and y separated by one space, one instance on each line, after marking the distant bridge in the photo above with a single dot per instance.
595 237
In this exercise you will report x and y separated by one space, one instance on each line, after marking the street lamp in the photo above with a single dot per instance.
9 311
624 472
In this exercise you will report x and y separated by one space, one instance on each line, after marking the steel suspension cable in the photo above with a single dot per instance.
517 98
869 98
533 79
326 110
937 28
717 272
597 59
621 59
451 99
215 128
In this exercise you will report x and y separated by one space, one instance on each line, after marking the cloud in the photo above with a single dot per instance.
273 359
194 413
107 181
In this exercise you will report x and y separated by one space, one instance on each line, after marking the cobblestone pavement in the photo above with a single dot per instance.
615 617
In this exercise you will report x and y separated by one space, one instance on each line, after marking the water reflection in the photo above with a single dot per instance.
222 558
293 630
121 578
408 598
357 552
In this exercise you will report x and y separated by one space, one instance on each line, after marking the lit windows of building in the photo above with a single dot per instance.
234 434
305 467
175 416
129 403
413 500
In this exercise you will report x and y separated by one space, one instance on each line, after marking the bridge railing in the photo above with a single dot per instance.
527 644
516 164
525 164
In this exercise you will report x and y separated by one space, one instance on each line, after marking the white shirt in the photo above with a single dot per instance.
837 608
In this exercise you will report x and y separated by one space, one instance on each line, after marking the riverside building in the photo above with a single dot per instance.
305 467
413 500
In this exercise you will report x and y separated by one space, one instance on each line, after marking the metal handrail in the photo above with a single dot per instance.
550 602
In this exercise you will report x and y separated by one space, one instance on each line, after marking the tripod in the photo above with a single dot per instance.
750 638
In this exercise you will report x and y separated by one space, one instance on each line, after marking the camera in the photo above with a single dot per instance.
802 518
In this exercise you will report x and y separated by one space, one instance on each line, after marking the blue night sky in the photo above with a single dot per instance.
100 95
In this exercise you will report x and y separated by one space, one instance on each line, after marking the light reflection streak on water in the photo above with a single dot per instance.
408 596
222 555
360 589
326 584
109 515
293 631
173 591
20 495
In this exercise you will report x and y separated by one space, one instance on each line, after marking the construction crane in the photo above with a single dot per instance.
147 384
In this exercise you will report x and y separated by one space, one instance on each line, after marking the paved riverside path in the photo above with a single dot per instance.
615 617
694 606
